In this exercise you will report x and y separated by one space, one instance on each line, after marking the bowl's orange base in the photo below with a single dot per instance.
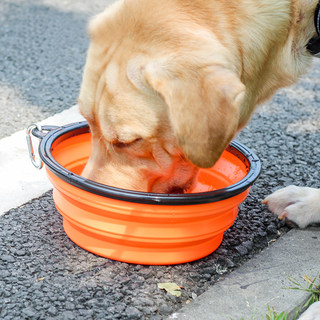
144 233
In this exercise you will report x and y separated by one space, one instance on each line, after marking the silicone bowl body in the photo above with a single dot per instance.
140 227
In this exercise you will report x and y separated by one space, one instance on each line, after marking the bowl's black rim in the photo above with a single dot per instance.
74 129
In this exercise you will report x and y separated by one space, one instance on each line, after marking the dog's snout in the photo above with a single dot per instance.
175 190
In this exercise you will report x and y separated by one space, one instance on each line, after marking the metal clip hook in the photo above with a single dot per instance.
37 163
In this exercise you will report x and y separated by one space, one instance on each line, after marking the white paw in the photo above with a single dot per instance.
313 313
298 204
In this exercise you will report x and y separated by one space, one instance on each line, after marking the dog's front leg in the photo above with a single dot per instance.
298 204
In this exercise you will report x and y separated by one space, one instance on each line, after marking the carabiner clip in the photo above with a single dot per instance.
37 163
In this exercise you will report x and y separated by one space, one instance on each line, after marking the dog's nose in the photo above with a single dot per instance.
175 190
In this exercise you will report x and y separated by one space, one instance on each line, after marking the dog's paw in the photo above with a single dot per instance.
313 313
300 205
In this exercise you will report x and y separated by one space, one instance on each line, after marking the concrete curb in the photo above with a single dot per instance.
248 291
22 181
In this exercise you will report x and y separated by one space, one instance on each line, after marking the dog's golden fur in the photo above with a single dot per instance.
168 84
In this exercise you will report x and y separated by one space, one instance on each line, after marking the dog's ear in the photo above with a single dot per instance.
203 106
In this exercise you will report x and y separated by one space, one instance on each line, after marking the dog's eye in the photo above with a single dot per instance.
126 144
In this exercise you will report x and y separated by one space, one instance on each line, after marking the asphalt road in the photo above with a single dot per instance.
43 275
43 48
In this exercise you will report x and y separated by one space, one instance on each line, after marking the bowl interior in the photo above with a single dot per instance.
72 152
142 227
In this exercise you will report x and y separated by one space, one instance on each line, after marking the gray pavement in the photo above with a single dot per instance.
43 275
262 282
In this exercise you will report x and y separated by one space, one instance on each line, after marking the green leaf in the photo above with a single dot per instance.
282 316
296 315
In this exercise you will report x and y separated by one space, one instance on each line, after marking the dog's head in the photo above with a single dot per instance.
165 89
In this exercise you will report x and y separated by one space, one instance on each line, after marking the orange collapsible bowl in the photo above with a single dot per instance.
141 227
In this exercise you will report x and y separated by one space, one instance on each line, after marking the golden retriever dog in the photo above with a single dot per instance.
168 84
